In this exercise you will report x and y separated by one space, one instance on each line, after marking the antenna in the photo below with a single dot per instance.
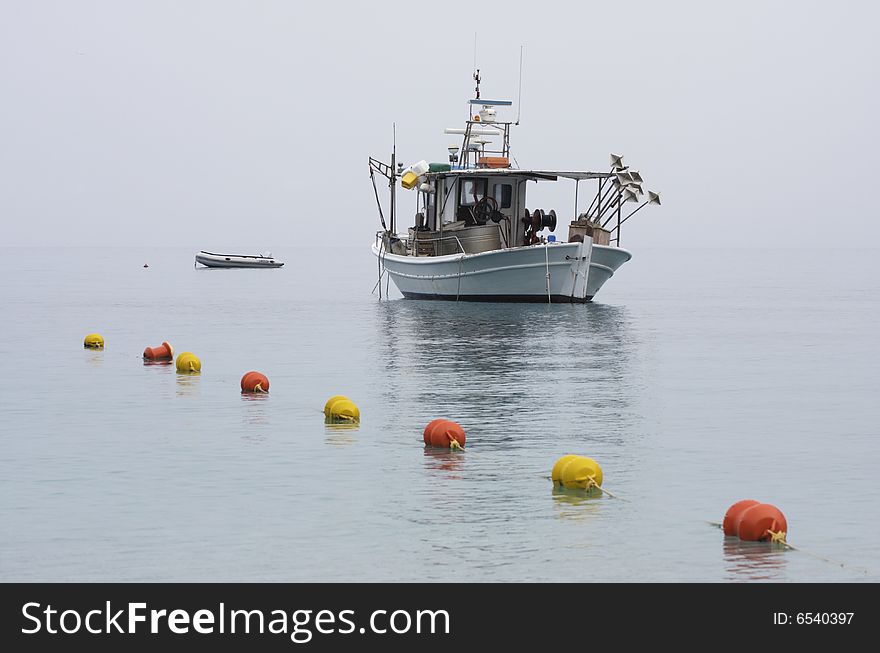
475 50
519 92
476 70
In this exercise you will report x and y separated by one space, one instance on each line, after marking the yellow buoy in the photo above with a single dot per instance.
581 473
556 474
94 341
330 402
188 363
345 411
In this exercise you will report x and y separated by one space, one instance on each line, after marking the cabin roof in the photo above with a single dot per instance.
549 175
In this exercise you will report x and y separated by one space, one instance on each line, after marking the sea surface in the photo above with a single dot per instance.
696 378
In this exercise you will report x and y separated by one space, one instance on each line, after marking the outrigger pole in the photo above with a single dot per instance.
390 173
376 191
626 195
601 195
653 198
386 171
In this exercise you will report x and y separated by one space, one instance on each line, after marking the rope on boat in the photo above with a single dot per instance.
380 261
547 267
379 281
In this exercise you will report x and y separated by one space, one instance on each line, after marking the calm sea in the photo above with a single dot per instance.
696 379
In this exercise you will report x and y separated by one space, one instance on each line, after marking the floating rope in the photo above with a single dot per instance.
778 537
591 483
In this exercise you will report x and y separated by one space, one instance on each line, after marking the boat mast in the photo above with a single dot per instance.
393 179
466 139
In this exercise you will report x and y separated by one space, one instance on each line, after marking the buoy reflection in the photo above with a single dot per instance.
446 461
340 434
188 385
753 560
576 504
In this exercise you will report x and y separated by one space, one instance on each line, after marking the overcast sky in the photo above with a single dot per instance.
218 123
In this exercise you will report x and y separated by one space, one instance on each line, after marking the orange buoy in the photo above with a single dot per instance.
733 514
446 434
427 434
762 522
254 382
163 352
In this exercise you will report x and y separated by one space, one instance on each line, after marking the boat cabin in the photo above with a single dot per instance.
483 209
477 202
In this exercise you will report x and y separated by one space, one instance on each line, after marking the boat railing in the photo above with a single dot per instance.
417 241
413 243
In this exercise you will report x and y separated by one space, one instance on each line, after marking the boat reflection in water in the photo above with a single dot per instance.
509 371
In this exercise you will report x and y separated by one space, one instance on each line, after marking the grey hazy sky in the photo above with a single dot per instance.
220 123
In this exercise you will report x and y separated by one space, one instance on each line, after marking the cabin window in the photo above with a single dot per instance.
503 195
472 191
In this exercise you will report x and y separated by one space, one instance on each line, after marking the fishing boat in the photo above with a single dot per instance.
211 260
473 237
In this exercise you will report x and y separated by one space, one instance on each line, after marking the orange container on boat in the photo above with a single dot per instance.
493 162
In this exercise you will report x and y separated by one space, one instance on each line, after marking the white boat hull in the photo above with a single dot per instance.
232 261
553 272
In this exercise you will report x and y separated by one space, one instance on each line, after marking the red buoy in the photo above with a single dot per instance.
731 517
443 432
163 352
427 434
761 523
254 382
